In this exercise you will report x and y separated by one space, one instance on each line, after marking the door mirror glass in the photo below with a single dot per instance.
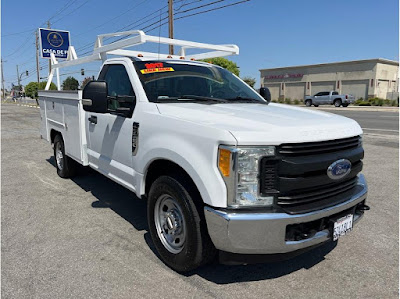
96 91
265 93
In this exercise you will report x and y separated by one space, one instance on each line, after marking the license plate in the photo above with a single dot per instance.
342 226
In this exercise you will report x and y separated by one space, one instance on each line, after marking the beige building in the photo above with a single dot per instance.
362 78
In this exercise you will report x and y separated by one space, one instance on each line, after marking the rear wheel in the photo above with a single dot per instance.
66 167
337 103
345 105
177 225
308 103
316 105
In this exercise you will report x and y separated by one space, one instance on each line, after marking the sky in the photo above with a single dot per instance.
268 33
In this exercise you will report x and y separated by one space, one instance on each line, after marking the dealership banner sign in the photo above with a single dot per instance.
54 41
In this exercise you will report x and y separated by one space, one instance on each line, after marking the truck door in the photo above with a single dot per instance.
317 98
109 134
324 98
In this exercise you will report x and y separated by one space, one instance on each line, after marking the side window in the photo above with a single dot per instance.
326 93
119 86
335 93
318 94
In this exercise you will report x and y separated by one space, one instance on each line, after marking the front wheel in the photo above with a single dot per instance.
177 227
345 105
66 167
308 103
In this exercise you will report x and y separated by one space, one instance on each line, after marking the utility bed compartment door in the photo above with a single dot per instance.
62 112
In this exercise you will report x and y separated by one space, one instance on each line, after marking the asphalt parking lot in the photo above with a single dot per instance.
88 237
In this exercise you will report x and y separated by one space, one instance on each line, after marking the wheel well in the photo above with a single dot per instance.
53 134
165 167
337 99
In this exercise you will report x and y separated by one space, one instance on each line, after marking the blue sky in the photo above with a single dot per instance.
268 33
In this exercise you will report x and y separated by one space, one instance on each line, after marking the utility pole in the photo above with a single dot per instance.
171 24
19 80
37 58
2 81
48 26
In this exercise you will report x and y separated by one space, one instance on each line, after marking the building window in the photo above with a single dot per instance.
337 85
308 85
372 82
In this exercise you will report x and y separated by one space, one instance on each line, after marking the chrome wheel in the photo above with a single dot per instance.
170 223
59 156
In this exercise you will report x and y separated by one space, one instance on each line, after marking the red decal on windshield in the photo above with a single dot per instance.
154 65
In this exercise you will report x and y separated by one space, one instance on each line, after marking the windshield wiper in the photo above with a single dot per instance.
246 100
190 98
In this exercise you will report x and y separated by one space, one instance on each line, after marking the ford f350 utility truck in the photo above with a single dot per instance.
223 170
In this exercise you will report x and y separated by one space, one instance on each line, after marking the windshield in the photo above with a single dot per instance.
166 82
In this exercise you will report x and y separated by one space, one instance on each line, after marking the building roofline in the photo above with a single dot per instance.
382 60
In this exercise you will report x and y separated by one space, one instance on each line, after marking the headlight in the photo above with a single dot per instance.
239 168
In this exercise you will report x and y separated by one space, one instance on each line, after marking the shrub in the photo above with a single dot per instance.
296 102
364 103
288 101
274 101
394 103
281 101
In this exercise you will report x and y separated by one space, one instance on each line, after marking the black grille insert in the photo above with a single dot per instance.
268 176
315 148
305 196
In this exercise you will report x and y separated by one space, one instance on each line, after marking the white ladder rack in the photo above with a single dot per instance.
101 50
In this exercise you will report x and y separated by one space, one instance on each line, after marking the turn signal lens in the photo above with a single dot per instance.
224 162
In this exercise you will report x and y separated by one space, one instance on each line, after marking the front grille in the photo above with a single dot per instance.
315 148
298 179
312 194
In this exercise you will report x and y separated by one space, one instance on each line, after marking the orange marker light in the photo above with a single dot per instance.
224 161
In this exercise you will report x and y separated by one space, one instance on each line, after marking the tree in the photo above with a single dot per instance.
31 90
70 84
225 63
85 81
250 80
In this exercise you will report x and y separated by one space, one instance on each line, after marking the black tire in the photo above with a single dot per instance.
308 103
197 248
66 167
337 103
316 105
345 105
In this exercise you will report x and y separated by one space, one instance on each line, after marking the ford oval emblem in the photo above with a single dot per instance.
339 169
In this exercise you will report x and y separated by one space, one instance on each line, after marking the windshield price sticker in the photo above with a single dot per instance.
157 70
156 67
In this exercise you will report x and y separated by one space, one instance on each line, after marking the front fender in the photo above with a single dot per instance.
191 146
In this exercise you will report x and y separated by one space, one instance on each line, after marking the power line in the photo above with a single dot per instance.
198 7
71 12
212 9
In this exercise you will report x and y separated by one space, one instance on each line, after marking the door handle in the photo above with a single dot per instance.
93 119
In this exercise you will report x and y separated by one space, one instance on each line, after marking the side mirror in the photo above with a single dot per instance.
265 93
96 91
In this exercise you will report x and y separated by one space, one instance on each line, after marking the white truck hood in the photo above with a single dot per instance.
273 124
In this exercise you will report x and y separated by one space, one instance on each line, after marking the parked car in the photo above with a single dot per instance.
329 98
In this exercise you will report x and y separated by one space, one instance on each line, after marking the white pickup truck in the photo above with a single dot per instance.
222 169
329 98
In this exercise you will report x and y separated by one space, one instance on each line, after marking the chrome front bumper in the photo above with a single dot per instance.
264 233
